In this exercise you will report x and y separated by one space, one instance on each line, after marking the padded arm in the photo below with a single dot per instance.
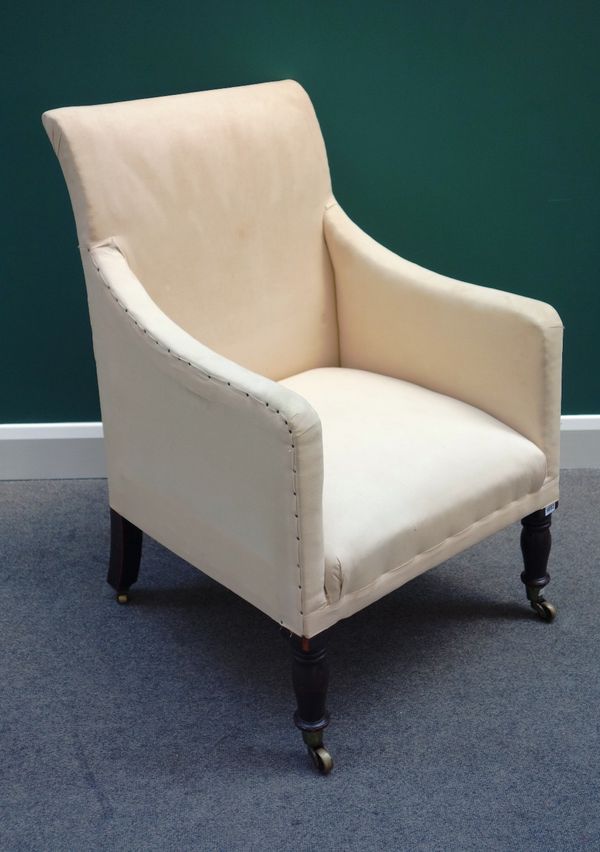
220 464
497 351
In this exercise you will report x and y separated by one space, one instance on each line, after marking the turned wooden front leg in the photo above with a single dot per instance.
125 554
536 541
310 676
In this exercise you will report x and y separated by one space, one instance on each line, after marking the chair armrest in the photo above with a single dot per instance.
220 464
497 351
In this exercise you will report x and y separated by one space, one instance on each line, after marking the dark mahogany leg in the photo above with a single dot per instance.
125 555
536 541
310 677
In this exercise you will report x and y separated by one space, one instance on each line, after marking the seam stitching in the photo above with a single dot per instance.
227 384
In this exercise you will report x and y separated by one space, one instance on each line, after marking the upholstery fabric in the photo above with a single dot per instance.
405 469
495 350
219 464
309 470
216 200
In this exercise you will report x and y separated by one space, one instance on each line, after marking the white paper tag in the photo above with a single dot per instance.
549 509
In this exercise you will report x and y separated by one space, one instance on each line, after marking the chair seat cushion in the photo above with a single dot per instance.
405 468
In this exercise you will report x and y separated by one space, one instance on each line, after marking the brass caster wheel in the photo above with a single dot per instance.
538 603
545 610
322 760
122 597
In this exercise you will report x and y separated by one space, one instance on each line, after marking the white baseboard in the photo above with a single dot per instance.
76 450
579 441
52 451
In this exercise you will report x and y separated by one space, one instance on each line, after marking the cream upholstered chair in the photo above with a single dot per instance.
300 413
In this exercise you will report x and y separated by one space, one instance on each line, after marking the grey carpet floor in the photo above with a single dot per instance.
459 721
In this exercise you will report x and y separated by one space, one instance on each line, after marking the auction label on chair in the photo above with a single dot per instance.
549 509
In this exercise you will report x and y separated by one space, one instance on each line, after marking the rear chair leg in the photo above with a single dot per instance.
310 677
125 555
536 541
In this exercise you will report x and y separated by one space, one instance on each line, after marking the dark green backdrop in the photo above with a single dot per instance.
464 135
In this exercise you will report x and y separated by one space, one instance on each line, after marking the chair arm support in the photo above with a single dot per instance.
495 350
220 464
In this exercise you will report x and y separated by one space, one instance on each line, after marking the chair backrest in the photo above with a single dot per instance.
216 199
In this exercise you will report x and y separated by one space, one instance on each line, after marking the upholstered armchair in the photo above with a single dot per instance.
298 412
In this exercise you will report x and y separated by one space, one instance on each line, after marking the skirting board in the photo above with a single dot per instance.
52 451
76 450
579 441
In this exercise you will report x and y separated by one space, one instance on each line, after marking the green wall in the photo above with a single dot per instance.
464 135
